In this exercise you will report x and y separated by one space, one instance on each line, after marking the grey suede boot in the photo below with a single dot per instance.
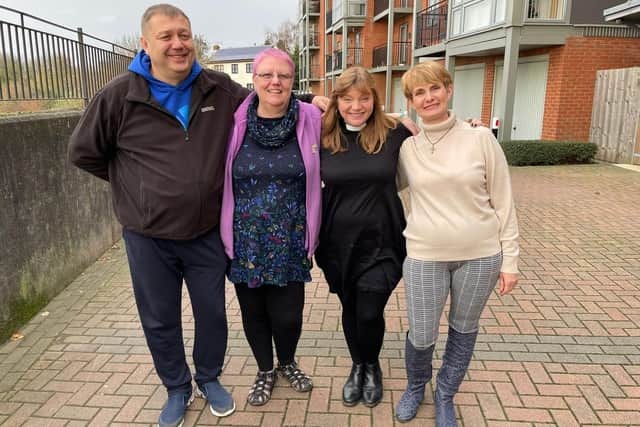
418 365
456 359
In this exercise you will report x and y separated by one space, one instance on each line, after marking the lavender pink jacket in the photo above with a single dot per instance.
308 133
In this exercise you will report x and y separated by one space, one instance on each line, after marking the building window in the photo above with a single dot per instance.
471 15
234 68
249 85
218 67
249 68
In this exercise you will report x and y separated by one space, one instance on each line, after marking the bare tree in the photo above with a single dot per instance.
130 41
285 38
200 44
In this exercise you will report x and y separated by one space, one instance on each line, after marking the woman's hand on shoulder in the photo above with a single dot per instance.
322 102
475 122
406 122
410 124
507 282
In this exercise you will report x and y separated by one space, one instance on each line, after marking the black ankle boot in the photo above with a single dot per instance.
372 387
352 390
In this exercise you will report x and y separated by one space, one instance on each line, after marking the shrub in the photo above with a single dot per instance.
526 153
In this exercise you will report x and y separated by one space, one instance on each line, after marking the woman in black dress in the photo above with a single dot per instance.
361 244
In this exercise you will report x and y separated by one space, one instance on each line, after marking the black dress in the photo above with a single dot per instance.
362 216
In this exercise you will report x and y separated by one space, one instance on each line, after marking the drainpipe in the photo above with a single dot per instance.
387 97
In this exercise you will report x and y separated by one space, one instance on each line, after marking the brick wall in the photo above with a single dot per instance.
571 82
487 91
380 84
374 35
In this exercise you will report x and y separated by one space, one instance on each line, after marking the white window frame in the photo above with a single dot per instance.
460 8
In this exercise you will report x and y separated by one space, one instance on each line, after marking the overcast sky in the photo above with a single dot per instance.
230 23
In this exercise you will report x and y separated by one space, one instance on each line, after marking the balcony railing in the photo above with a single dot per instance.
309 6
312 73
314 6
546 9
380 6
401 54
334 62
314 40
354 56
431 25
403 4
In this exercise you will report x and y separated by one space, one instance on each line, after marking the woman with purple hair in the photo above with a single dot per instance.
271 217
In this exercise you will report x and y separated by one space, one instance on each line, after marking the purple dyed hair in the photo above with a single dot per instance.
273 53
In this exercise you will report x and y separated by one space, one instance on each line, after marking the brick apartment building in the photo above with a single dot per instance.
530 63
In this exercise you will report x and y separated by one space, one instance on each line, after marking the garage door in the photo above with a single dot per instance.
528 108
467 94
399 101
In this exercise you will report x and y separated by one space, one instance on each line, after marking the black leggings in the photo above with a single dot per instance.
272 312
363 323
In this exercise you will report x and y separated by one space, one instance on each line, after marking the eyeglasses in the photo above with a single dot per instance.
270 76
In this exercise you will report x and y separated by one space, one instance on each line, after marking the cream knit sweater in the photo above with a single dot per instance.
461 204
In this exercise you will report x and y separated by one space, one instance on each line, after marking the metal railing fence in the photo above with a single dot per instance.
400 55
431 25
380 6
43 65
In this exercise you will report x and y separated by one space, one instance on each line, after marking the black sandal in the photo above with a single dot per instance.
260 392
296 377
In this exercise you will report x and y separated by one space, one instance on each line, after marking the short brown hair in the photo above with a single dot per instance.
374 135
425 73
162 9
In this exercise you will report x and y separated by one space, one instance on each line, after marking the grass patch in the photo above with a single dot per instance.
13 108
20 311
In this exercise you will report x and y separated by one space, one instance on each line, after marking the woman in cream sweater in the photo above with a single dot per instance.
461 236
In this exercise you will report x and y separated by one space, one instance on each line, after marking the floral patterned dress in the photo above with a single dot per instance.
269 217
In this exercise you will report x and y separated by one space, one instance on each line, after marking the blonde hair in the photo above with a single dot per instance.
425 73
373 136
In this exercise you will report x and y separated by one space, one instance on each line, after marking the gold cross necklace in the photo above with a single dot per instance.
433 143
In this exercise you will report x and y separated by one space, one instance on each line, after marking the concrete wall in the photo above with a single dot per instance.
54 219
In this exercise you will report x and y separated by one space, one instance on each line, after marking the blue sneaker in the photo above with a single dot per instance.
172 414
220 401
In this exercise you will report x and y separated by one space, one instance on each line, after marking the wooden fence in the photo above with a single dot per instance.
615 118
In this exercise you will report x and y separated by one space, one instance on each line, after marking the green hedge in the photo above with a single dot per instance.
525 153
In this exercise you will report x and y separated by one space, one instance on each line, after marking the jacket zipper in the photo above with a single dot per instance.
162 110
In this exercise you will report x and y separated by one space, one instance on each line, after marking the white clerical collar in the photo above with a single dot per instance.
355 128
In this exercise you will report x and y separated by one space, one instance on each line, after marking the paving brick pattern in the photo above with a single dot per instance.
563 350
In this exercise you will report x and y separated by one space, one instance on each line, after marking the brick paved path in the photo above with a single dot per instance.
563 350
